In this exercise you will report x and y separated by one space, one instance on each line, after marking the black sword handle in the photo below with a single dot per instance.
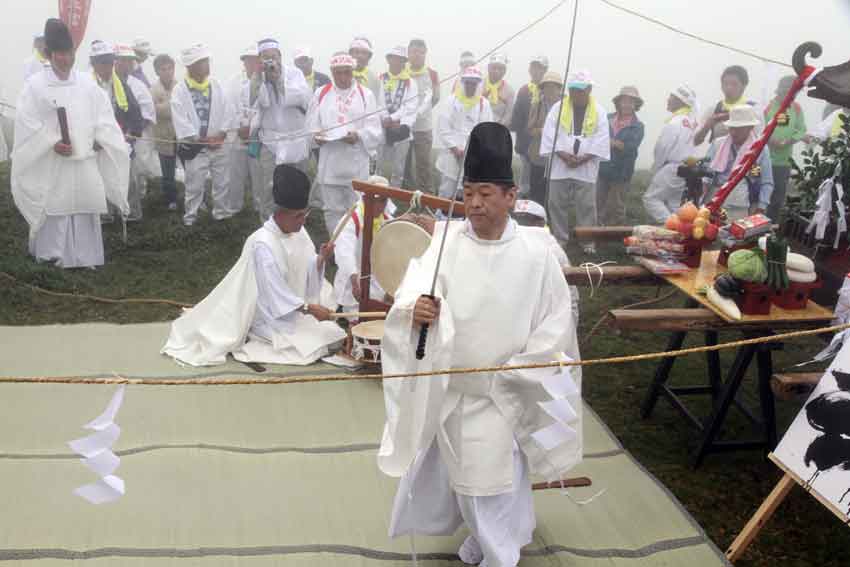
423 337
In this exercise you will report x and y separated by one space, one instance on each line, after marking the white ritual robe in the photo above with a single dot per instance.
597 144
340 163
281 122
675 144
257 302
479 421
453 128
51 190
348 253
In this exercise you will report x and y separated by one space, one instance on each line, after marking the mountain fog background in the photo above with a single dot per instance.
618 49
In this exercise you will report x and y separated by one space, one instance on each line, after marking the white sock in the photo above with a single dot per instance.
470 552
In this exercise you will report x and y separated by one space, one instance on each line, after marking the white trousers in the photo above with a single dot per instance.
502 525
215 164
393 158
524 176
337 199
244 170
72 241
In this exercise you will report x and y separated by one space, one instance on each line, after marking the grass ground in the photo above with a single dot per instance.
162 259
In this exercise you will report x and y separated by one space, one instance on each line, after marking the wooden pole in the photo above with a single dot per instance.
405 196
760 518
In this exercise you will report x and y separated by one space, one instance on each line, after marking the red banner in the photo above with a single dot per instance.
75 14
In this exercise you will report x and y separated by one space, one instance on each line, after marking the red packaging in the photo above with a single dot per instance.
796 296
749 227
756 299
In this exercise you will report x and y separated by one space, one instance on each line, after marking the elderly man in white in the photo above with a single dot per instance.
400 104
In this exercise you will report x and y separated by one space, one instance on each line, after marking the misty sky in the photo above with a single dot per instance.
617 48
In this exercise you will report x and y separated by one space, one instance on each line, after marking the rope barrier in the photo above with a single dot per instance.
244 381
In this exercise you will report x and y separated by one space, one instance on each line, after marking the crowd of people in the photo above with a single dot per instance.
356 122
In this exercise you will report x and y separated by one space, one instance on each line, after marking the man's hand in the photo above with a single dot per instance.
569 159
618 145
63 149
351 138
457 152
319 312
320 141
718 117
244 132
355 286
325 252
426 310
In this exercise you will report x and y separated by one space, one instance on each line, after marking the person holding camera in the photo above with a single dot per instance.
400 106
280 95
675 144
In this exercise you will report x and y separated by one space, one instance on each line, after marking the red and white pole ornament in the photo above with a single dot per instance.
75 14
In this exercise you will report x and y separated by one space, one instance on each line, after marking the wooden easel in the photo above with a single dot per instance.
769 506
367 303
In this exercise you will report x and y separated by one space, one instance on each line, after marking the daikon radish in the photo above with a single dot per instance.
799 263
724 304
801 277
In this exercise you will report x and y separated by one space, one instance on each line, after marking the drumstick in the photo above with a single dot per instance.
342 223
359 315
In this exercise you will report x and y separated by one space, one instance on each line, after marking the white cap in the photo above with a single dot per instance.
124 50
99 48
398 51
472 73
580 80
342 60
265 44
542 59
250 51
192 55
529 207
143 46
741 116
499 59
686 94
467 58
361 43
301 52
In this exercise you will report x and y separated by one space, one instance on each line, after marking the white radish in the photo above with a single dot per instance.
799 263
801 277
724 304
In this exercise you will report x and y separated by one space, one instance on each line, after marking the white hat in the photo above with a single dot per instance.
361 43
398 51
686 94
250 51
741 116
529 207
265 44
100 48
542 59
580 80
342 60
192 55
300 52
143 46
124 50
467 58
472 73
499 59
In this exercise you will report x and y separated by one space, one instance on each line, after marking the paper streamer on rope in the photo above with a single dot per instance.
96 450
566 397
823 206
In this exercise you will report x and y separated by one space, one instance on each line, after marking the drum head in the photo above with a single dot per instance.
395 245
370 330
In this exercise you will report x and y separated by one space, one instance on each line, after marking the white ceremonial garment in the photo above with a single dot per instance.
347 254
334 113
281 118
453 128
597 144
406 113
46 185
675 144
476 419
258 301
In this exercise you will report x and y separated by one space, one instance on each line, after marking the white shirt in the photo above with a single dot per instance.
453 128
676 142
407 111
597 144
185 117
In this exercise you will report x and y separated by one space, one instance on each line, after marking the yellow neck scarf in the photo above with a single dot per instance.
362 76
311 80
727 106
590 117
682 111
117 90
467 101
416 72
203 88
41 58
392 80
377 222
534 91
837 126
492 90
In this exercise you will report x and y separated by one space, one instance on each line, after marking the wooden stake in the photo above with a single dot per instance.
760 518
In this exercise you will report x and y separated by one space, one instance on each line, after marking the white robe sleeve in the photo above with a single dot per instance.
113 160
369 128
182 113
298 91
448 130
599 143
276 302
548 136
144 98
665 144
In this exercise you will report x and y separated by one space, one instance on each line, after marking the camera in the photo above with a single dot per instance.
270 65
693 172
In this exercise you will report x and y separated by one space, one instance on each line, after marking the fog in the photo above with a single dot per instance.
617 48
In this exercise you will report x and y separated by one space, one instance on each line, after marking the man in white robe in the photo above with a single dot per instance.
583 142
466 445
244 163
465 109
280 95
361 50
400 102
61 188
349 246
266 309
345 126
675 144
202 117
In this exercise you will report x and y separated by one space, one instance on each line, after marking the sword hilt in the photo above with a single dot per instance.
423 337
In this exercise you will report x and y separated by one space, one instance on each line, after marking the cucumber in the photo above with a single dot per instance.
726 305
799 263
801 277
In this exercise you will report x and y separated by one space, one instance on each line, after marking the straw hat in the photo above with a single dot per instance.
552 77
632 92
